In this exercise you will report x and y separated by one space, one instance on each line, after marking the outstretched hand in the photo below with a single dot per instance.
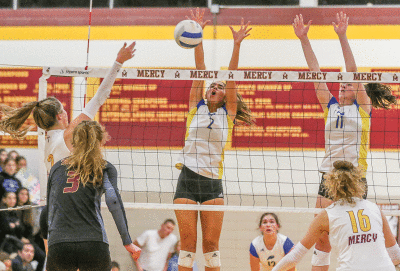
342 21
134 251
300 29
242 33
126 53
198 17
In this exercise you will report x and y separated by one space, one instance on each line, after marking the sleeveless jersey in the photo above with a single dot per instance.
357 234
270 258
55 148
346 135
74 210
206 136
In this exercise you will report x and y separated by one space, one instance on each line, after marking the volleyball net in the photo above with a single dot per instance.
272 165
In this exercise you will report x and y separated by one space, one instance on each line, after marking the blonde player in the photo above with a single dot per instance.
76 235
268 249
50 115
347 121
356 227
209 127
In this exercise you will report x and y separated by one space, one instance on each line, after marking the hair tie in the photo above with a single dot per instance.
37 104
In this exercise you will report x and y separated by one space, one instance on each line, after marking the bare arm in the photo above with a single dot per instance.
319 225
387 233
196 91
254 263
301 31
231 92
124 54
342 22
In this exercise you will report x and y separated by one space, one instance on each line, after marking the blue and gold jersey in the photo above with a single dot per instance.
206 136
346 135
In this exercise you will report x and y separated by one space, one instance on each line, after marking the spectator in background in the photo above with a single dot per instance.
173 262
27 218
13 154
157 247
5 261
3 157
10 223
115 266
8 182
21 163
28 179
24 258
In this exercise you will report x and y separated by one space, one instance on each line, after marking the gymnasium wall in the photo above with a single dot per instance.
58 37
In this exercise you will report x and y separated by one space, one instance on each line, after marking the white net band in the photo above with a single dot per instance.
226 75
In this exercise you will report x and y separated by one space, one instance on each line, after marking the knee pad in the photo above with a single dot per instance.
186 258
212 259
320 258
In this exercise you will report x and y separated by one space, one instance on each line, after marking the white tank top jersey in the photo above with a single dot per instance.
357 233
346 135
55 148
270 258
205 140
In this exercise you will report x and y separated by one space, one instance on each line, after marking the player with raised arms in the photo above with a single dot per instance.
209 127
347 121
76 233
50 115
268 249
356 227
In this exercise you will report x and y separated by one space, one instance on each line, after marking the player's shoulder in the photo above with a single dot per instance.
57 166
109 166
257 240
281 237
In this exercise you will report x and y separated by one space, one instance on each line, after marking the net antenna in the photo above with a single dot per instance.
88 41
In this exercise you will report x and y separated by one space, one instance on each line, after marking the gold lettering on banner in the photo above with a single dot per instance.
312 75
365 76
204 74
257 75
271 131
151 73
14 73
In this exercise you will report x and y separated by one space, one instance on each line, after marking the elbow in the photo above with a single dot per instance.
112 204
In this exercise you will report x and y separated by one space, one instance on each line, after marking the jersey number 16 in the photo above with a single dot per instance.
363 221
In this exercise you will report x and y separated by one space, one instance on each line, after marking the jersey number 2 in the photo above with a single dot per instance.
363 221
74 181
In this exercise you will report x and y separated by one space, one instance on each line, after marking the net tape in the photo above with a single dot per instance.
226 75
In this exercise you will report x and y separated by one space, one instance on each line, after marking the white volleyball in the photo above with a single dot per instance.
188 34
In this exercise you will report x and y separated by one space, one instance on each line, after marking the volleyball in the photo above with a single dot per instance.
188 34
